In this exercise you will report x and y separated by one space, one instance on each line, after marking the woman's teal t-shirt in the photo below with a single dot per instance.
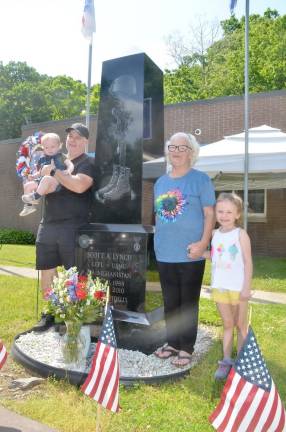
179 204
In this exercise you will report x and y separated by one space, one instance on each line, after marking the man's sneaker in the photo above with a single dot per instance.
27 209
45 322
30 198
223 369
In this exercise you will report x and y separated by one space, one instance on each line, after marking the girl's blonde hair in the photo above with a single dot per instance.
53 136
190 142
234 199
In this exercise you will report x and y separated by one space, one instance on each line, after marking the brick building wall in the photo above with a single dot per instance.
223 116
269 238
59 128
215 118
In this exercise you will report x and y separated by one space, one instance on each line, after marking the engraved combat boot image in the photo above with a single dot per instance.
110 185
122 188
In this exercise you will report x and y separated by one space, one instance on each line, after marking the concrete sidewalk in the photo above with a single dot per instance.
257 297
18 271
12 422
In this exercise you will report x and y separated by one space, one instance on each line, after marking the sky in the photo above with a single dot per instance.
46 34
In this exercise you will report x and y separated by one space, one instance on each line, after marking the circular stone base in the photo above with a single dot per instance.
41 353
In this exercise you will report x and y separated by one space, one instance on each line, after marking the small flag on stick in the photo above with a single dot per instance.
102 383
249 401
3 355
88 19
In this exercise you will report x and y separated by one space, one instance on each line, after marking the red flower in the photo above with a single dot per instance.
99 295
47 293
68 283
80 286
82 278
81 294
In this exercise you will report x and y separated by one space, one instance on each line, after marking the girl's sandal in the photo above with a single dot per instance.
182 360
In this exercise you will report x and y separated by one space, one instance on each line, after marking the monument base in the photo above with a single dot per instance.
41 354
144 332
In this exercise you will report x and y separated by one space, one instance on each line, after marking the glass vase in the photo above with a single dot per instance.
74 344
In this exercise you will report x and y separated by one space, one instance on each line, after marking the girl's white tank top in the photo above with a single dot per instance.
227 260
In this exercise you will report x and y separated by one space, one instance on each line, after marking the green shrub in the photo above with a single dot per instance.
11 236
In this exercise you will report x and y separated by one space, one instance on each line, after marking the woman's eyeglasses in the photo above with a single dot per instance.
180 148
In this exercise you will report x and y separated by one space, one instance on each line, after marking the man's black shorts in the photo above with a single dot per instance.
55 245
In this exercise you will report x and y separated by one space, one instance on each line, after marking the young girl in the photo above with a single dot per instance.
231 275
39 186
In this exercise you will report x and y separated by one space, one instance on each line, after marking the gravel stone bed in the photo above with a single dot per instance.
46 348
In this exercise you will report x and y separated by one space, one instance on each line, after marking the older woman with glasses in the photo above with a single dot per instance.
184 208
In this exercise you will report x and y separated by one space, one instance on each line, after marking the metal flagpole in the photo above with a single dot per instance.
89 83
246 115
88 28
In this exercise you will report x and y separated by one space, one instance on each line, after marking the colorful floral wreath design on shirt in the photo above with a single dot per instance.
170 205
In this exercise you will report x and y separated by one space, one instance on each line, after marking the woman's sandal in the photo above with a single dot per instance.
168 350
182 360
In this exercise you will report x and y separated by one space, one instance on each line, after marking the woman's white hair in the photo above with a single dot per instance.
190 142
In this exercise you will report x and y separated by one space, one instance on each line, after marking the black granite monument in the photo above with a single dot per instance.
114 245
130 129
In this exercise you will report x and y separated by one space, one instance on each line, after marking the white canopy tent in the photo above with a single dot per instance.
224 160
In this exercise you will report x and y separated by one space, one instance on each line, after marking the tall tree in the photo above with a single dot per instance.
27 96
65 97
221 72
267 56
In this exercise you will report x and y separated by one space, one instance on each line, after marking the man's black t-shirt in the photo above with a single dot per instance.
67 206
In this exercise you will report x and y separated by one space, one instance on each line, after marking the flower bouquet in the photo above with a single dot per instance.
75 299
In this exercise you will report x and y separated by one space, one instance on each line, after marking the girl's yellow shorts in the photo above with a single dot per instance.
225 296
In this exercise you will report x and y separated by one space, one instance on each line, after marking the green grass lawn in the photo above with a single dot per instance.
17 255
269 273
170 407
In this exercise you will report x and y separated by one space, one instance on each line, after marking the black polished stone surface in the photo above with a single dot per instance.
130 130
117 253
113 246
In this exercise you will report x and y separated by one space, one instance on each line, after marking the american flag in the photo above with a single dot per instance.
3 354
249 401
88 19
232 5
102 383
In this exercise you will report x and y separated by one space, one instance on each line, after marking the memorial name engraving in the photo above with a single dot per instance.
120 257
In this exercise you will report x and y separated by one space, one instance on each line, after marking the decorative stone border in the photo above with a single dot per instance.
41 353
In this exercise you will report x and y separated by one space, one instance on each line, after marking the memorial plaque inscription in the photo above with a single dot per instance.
120 258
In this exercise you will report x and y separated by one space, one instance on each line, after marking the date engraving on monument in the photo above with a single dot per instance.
120 260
